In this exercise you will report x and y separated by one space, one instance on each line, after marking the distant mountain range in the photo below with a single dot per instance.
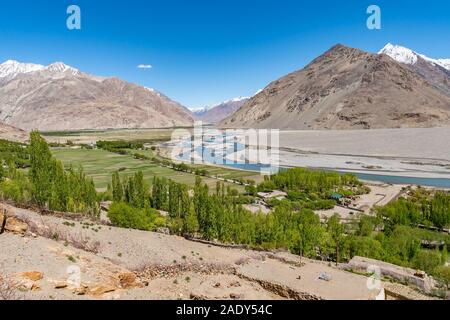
347 88
344 88
219 112
60 97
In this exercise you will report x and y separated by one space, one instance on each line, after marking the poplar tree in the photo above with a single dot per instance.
40 173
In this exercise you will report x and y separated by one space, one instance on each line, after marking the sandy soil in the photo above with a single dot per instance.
405 152
166 267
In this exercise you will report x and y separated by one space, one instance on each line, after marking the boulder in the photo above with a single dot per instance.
163 231
81 290
61 285
2 220
102 289
16 226
236 296
128 280
32 276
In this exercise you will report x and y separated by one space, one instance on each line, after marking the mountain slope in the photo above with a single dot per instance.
11 133
59 97
435 71
346 88
221 111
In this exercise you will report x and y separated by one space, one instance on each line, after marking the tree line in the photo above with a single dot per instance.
48 184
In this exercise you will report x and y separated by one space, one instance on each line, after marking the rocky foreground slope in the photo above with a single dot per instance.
59 97
48 257
347 88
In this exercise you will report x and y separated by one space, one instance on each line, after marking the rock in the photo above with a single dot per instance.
35 287
197 297
105 205
217 285
165 231
61 285
81 290
420 274
16 226
102 289
234 284
33 275
128 280
2 220
236 296
325 277
24 285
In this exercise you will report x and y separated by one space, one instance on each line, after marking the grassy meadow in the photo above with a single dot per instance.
100 165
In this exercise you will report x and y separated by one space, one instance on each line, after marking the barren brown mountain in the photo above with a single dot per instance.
346 88
59 97
12 134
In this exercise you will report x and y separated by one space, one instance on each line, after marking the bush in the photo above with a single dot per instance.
443 274
125 216
15 190
427 260
364 247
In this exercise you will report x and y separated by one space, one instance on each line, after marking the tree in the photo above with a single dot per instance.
308 235
190 225
117 189
60 188
336 231
40 171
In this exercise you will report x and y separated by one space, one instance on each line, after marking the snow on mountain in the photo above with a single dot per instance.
408 56
154 91
210 107
216 113
12 68
60 67
59 97
238 99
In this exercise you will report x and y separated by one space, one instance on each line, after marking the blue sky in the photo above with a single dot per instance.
204 52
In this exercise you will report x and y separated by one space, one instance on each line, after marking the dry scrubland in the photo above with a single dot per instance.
129 264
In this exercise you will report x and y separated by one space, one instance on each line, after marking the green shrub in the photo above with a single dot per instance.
125 216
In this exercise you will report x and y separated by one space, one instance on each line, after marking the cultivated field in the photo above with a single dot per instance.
100 165
109 135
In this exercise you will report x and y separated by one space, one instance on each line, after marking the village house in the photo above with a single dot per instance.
276 194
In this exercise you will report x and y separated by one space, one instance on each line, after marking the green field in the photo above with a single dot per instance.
91 136
100 164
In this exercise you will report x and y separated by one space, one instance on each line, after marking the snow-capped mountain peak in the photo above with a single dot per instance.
408 56
60 67
237 99
400 54
13 68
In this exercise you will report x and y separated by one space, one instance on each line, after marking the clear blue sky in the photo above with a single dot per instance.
203 52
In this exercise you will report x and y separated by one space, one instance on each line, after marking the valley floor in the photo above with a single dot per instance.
399 152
